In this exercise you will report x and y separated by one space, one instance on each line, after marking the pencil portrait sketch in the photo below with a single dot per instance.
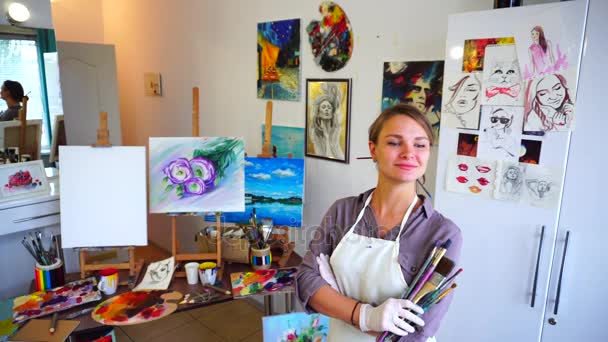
501 132
462 108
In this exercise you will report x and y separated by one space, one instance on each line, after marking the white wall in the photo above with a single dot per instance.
77 20
211 44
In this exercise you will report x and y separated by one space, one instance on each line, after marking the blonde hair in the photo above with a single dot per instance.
400 109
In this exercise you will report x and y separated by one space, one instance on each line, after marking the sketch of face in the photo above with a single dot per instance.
500 119
504 74
512 173
535 36
419 93
161 272
550 92
326 110
466 99
543 187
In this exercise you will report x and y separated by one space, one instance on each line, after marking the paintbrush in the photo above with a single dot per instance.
429 299
443 269
426 264
440 253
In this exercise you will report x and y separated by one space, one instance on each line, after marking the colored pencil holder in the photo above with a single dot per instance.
261 259
49 277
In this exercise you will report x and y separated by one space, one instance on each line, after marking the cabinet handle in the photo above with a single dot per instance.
34 217
561 273
540 249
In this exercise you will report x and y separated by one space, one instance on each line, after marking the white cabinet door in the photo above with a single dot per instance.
584 213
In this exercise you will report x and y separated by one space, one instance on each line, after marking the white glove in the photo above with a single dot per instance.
389 316
326 272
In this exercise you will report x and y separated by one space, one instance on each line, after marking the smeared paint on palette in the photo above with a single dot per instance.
58 299
136 307
263 282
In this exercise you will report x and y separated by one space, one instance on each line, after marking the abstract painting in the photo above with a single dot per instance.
475 51
287 142
530 151
275 188
510 181
331 39
467 144
470 175
263 282
502 82
297 326
463 99
417 83
500 132
7 327
328 119
196 174
136 307
58 299
22 180
279 60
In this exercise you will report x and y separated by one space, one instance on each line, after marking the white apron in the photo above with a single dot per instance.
366 269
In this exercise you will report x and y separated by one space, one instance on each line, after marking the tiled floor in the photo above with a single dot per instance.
236 320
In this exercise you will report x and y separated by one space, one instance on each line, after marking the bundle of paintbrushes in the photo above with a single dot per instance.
431 283
259 231
44 257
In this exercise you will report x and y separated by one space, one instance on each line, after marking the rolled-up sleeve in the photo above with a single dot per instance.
309 279
433 316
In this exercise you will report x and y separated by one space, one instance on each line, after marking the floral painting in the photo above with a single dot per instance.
296 327
22 179
196 174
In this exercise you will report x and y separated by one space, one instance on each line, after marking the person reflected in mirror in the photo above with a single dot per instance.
12 93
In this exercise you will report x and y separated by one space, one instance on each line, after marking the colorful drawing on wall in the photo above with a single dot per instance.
58 299
509 181
196 174
263 282
328 119
530 151
544 57
279 60
331 39
286 140
275 188
22 180
502 82
297 326
549 105
463 100
416 83
471 176
475 50
467 144
500 136
543 186
136 307
7 327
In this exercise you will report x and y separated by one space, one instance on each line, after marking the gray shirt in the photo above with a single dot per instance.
11 113
423 229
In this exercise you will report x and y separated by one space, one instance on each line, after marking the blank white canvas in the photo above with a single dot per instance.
103 196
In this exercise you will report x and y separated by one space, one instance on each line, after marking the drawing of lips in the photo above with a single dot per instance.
475 189
483 169
463 167
483 181
462 179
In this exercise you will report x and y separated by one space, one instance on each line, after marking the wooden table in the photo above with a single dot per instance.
87 324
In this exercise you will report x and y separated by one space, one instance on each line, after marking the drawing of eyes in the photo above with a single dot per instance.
495 119
498 72
510 72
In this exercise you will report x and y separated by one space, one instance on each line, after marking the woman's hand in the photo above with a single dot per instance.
326 273
389 316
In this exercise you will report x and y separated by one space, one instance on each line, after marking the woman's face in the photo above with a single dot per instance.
4 93
535 36
550 92
500 119
512 174
326 110
402 151
466 99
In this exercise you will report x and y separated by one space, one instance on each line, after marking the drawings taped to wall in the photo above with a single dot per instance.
470 175
463 95
510 182
502 82
500 132
158 275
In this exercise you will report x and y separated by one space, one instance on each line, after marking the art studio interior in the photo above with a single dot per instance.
247 170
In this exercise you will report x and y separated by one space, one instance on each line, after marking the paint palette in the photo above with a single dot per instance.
263 282
136 307
58 299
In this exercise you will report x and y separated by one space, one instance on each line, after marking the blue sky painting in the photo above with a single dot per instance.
287 140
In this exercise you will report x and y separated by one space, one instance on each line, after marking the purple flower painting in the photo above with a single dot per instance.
196 175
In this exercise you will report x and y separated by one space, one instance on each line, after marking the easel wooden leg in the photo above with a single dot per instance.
83 260
174 235
132 270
